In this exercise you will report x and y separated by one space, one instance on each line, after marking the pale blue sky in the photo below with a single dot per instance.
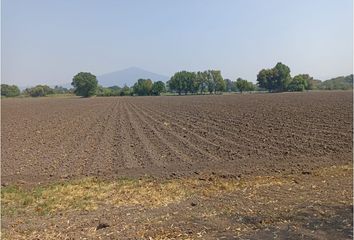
49 41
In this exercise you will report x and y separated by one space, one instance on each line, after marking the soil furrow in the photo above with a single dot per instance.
217 142
170 153
126 143
208 128
48 139
289 141
182 137
149 151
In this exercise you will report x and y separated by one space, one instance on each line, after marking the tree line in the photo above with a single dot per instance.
37 91
276 79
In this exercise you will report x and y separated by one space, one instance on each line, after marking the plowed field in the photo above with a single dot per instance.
50 139
251 166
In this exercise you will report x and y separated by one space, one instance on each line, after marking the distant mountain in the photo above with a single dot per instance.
128 77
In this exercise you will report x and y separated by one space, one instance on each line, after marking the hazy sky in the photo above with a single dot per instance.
49 41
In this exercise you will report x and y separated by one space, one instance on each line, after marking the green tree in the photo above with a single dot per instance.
276 79
265 79
175 84
201 81
191 82
37 91
115 90
9 90
158 88
143 87
228 85
219 82
300 82
282 76
60 90
210 81
85 84
244 85
308 81
126 91
104 92
181 82
47 90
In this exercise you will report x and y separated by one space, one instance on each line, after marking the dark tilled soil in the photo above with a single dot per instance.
45 140
303 141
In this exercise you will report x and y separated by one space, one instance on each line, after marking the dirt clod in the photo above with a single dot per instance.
102 225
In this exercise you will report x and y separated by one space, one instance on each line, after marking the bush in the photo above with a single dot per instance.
37 91
9 90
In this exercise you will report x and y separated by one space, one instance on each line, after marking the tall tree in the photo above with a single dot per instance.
244 85
282 76
219 82
202 80
85 84
210 81
182 81
228 85
158 88
275 79
143 87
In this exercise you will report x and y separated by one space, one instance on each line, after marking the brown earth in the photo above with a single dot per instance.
315 205
281 148
49 139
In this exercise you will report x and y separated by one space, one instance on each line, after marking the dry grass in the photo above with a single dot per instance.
87 194
248 198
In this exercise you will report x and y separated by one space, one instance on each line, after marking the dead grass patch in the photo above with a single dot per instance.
89 193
